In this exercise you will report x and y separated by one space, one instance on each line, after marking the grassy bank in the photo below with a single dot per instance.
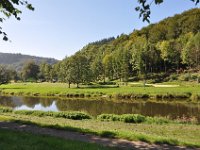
170 132
10 140
74 115
133 91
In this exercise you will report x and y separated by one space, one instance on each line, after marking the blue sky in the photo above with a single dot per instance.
60 28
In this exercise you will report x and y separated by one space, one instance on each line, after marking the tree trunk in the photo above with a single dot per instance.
165 66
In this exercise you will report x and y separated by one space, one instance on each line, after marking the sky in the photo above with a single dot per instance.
59 28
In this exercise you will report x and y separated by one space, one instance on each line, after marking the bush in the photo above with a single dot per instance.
132 118
157 120
173 77
185 77
127 118
67 115
5 109
194 77
107 83
108 117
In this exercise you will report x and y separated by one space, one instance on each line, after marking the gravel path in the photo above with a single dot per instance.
119 143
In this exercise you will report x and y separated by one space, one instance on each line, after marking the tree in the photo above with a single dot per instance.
79 69
168 53
107 64
45 71
4 75
138 59
11 8
30 71
191 51
66 71
97 68
144 8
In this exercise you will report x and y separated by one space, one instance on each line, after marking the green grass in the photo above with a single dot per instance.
123 92
67 115
170 133
11 140
74 115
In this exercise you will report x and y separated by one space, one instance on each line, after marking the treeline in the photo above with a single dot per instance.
170 46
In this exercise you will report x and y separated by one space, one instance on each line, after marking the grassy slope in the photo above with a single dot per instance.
10 140
177 134
52 89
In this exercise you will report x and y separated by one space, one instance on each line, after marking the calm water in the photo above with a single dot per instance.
96 107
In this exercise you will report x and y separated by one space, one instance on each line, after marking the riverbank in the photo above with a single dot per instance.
66 139
182 134
132 91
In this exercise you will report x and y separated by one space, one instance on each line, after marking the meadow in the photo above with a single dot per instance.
132 91
159 132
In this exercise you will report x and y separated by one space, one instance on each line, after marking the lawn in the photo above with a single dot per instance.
61 89
171 133
11 140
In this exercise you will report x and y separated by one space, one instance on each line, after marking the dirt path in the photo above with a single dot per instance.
119 143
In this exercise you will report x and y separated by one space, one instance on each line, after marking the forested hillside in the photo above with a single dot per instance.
170 46
17 60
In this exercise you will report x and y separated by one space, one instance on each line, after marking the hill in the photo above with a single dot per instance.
158 50
17 60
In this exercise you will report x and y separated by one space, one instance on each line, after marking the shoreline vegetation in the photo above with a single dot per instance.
78 115
133 91
129 126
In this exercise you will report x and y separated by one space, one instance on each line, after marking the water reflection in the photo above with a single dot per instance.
96 107
52 107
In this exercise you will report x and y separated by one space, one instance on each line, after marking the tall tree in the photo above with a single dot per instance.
30 71
191 52
4 75
80 69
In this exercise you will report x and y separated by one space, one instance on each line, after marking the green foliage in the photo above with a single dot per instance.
67 115
5 76
127 118
9 8
173 77
5 109
144 8
168 46
30 71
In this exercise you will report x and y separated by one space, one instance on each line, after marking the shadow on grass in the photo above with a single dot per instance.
166 143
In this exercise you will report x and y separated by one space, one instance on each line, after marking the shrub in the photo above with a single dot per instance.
107 83
108 117
127 118
132 118
173 77
67 115
157 120
185 77
5 109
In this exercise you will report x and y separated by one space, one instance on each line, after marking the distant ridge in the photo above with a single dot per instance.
16 60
